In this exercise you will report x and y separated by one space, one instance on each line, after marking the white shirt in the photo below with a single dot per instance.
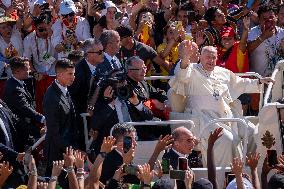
109 58
180 154
37 48
64 90
82 33
92 67
259 58
16 41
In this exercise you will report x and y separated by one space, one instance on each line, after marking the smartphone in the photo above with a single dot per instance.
127 143
177 174
165 166
272 157
69 33
229 176
182 163
100 6
130 169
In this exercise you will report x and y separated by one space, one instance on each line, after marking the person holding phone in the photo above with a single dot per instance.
70 30
264 41
125 142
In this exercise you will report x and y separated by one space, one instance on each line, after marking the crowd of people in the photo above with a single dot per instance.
61 60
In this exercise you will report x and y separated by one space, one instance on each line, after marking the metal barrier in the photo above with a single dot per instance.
239 120
169 122
88 141
279 67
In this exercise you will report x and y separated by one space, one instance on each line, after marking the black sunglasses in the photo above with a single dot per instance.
98 52
41 30
70 15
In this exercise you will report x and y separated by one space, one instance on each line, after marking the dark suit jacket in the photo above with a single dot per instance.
111 163
80 88
20 101
60 122
104 67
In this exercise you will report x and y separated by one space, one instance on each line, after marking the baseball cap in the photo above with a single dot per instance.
66 7
227 32
109 4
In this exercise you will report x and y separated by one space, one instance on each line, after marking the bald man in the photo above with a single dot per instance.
183 144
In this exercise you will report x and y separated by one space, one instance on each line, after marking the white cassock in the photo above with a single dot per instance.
203 96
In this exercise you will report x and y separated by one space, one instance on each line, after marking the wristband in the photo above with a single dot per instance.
80 177
103 154
146 185
33 173
70 169
53 178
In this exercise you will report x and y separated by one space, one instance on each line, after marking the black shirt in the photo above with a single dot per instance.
139 49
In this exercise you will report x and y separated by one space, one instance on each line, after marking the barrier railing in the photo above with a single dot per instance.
279 67
226 120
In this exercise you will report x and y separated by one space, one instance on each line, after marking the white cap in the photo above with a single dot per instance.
66 7
109 4
36 2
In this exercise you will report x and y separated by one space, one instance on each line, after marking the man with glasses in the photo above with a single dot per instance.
84 70
70 30
39 50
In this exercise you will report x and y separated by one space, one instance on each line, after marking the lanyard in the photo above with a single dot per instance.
37 49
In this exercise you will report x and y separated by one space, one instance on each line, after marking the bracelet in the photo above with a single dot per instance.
80 177
33 173
80 169
70 169
81 172
53 178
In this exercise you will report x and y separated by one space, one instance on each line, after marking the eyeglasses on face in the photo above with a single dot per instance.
68 15
96 52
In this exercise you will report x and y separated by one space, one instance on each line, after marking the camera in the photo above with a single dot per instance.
117 79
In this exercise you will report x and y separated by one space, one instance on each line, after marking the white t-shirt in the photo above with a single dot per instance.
82 33
261 59
38 49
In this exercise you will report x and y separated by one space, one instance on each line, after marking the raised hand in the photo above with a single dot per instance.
128 156
214 136
69 158
252 160
42 185
164 143
79 159
246 23
237 166
145 174
5 171
108 144
188 179
57 168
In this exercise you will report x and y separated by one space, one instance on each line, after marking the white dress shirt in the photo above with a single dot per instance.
64 90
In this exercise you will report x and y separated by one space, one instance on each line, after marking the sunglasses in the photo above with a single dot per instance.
98 52
41 30
68 15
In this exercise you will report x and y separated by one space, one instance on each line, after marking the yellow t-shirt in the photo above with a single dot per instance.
171 58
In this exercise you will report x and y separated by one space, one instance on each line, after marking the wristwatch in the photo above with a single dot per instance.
103 154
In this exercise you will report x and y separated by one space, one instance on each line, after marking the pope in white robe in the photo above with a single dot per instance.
203 92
